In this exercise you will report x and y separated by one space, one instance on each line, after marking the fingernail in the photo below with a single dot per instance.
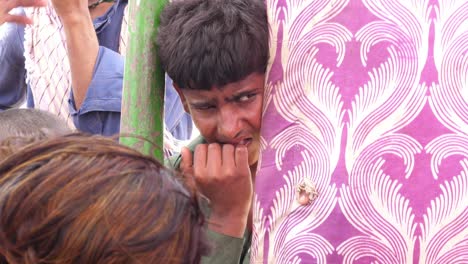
241 147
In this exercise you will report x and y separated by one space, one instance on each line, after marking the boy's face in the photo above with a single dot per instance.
231 114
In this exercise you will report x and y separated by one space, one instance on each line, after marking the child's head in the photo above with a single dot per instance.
88 199
20 127
30 123
207 43
216 52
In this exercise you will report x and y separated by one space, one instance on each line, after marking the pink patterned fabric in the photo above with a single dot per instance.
368 99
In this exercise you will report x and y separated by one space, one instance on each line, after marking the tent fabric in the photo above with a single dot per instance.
367 101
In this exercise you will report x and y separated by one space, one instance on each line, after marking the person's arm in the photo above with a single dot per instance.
222 174
82 44
100 110
226 249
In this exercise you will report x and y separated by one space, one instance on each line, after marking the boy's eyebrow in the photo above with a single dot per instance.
242 93
202 102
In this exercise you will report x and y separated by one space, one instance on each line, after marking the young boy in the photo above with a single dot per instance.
216 52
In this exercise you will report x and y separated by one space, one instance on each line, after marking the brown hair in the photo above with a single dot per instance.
88 199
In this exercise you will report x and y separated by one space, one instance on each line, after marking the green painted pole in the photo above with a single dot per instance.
143 89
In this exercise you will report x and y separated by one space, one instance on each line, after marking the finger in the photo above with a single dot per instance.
18 19
11 4
228 159
242 157
200 156
214 157
186 164
186 167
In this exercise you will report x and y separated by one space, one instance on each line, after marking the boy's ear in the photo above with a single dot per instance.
182 97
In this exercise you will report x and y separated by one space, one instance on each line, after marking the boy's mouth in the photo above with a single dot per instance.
246 142
243 142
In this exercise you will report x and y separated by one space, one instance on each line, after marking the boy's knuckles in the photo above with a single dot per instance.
214 147
200 174
228 149
229 172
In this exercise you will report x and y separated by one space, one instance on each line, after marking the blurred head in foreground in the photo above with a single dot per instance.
88 199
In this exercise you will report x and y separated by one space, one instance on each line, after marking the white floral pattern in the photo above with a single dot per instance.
369 100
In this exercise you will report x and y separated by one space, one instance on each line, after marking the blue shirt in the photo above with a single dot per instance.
12 71
100 111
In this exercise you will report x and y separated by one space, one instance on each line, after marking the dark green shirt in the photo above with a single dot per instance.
226 249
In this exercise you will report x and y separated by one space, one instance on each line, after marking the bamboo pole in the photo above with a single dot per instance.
143 89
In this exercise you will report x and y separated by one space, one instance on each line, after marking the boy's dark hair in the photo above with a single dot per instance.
206 43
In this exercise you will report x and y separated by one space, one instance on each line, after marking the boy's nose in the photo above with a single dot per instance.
229 125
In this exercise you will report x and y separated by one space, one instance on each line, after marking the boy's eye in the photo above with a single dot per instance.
204 107
247 97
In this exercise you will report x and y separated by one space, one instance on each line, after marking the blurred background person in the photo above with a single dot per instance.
21 127
30 122
12 70
66 62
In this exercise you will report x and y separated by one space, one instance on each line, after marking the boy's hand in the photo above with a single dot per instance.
7 5
222 174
